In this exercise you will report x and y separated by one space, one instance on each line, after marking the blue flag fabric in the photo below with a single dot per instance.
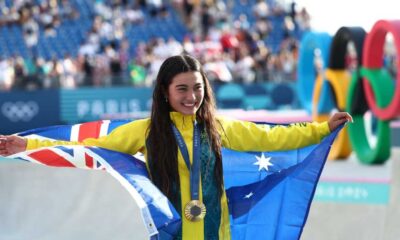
269 193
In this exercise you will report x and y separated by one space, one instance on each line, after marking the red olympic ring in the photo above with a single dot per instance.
372 59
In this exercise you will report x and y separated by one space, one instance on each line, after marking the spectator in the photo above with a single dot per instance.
31 35
261 10
6 74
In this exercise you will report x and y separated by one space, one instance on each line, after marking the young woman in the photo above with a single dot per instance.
182 142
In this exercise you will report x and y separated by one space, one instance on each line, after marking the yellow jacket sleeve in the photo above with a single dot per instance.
247 136
129 138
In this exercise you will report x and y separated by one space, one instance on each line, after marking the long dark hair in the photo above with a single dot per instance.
161 144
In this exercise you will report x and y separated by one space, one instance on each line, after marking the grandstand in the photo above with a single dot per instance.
73 20
68 44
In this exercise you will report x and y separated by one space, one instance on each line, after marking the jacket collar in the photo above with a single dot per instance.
182 121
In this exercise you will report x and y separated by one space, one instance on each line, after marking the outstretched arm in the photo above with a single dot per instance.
246 136
128 138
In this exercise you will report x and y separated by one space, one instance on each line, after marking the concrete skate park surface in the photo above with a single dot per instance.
352 201
356 201
44 203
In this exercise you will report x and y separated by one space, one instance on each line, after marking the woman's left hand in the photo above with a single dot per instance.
337 119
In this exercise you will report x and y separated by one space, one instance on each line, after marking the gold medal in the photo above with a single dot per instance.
195 211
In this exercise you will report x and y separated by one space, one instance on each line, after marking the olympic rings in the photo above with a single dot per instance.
20 111
335 88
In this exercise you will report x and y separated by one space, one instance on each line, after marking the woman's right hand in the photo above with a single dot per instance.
12 144
339 118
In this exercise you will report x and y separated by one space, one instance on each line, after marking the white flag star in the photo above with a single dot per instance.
249 195
263 162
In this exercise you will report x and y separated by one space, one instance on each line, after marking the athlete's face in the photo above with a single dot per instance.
186 92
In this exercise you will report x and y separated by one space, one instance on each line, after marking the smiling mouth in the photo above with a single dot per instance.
189 104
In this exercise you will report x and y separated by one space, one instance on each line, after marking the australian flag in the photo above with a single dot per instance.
269 193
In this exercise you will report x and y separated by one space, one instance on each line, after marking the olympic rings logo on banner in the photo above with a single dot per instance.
369 87
20 111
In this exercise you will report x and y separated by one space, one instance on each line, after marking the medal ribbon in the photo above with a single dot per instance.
194 168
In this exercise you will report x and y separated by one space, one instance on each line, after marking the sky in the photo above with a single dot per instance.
330 15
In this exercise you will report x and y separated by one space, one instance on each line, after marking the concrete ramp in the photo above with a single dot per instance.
373 214
392 230
43 203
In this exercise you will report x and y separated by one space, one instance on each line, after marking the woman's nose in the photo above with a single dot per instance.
191 95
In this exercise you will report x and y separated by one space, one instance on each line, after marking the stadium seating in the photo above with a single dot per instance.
71 33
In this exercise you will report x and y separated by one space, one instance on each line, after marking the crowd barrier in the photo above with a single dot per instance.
26 110
88 104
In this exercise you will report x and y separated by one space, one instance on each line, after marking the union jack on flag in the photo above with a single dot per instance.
76 132
64 156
